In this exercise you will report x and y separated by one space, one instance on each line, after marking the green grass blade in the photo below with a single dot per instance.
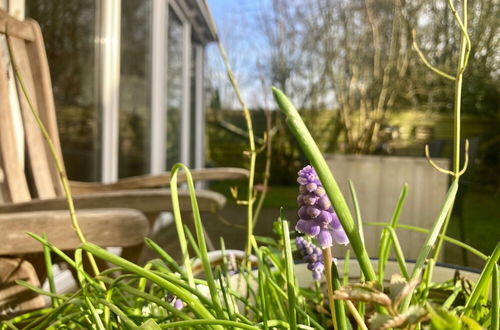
183 294
339 304
94 314
63 256
431 238
290 275
165 256
306 141
345 276
495 300
50 274
225 323
357 210
118 312
39 291
200 233
483 281
399 253
385 242
448 239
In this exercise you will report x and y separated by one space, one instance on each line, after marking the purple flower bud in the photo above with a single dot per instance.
317 217
312 211
303 213
324 217
312 255
320 191
340 236
311 187
178 304
324 203
325 239
309 199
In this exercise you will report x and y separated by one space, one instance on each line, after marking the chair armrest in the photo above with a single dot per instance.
144 200
104 227
159 180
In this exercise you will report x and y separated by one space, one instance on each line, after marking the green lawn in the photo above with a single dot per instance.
481 213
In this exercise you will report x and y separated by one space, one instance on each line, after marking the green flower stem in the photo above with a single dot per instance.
54 154
306 141
327 260
251 153
457 104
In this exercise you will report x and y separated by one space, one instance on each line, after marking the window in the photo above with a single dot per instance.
135 88
69 30
174 93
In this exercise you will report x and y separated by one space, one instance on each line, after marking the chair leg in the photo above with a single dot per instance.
15 299
133 253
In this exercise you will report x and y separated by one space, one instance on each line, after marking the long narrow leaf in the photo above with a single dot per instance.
290 276
183 294
385 242
483 280
50 274
495 300
200 233
431 238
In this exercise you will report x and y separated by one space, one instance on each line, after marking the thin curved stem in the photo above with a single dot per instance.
426 62
58 163
433 164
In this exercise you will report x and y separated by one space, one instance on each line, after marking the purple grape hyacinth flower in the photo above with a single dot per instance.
317 217
312 255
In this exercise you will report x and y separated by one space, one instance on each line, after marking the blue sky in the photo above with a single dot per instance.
239 30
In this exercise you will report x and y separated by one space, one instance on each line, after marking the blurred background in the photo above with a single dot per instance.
140 85
352 69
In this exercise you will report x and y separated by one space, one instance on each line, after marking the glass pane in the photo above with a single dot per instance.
192 125
174 88
135 88
68 27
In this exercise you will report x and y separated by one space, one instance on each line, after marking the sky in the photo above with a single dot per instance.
238 26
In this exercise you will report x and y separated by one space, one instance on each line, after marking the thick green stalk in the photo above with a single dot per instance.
306 141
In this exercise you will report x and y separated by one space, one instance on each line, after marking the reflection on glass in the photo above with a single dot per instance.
193 128
174 88
135 88
68 27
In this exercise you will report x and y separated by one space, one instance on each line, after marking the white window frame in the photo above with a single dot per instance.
199 153
108 93
158 86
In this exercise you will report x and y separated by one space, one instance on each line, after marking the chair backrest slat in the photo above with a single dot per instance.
14 186
38 162
45 100
28 168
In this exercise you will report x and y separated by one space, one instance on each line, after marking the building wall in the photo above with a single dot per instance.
127 80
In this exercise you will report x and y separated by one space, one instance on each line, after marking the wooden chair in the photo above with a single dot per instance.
31 194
